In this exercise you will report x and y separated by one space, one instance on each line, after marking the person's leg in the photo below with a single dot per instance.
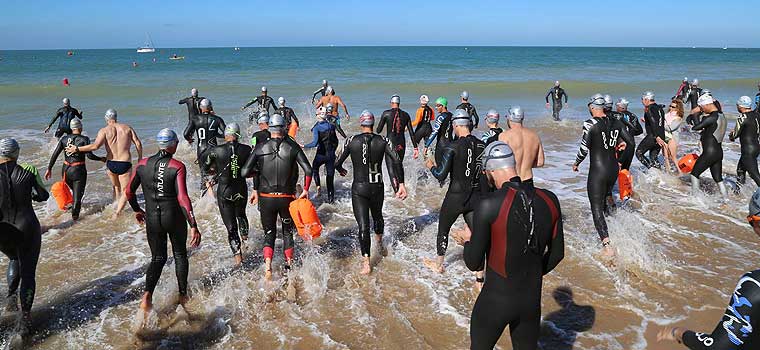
330 165
673 147
645 146
29 254
316 164
242 217
77 188
750 164
115 185
361 209
268 215
157 241
741 173
716 170
378 222
13 278
597 195
488 321
178 237
448 215
230 220
288 228
524 331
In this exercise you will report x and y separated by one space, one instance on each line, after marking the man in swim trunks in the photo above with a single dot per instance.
331 98
557 94
736 330
64 115
118 139
320 91
264 102
192 102
525 143
170 211
518 238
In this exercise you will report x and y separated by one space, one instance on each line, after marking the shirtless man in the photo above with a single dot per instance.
335 100
118 139
529 153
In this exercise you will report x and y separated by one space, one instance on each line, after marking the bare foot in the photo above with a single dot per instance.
182 300
608 252
381 248
366 267
147 302
11 303
238 260
268 274
478 287
433 265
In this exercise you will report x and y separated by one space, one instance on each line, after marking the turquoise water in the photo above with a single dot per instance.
30 81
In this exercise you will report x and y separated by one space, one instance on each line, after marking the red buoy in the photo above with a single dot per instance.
65 81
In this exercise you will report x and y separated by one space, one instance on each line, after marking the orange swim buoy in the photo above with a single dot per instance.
305 218
293 130
686 164
625 184
62 194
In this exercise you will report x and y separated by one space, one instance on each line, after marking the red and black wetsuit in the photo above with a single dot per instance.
518 231
168 209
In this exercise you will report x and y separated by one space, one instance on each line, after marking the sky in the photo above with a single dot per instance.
78 24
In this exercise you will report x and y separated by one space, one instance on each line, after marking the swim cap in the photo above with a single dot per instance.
706 92
623 103
754 202
263 89
460 118
276 122
263 118
648 95
395 99
194 92
556 83
324 81
9 148
705 100
596 101
205 103
516 114
498 155
744 102
281 101
492 116
465 95
329 89
695 82
232 129
424 99
75 124
366 118
66 101
321 113
166 138
329 108
607 101
442 101
685 79
111 114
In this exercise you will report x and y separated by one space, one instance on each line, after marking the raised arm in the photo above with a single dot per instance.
711 118
314 96
57 115
184 100
99 141
93 156
249 103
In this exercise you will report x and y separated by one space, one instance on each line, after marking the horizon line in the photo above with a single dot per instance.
381 46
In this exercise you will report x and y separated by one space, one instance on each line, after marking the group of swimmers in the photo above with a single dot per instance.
513 233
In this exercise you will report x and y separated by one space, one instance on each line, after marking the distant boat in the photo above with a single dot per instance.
148 48
725 48
175 57
237 48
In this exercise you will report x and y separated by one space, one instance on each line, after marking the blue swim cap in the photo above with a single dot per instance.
166 138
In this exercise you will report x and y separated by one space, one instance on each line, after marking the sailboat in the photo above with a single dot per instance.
148 48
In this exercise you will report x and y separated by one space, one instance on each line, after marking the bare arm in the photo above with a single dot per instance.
345 109
99 141
540 158
136 141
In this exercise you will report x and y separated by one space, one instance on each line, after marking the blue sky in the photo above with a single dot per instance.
44 24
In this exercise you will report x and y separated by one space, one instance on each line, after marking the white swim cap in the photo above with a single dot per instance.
281 101
263 118
492 116
395 99
166 138
194 92
460 118
232 129
205 103
648 95
744 102
75 124
465 95
66 101
424 99
705 100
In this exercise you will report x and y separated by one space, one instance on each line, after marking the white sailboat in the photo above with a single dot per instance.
148 48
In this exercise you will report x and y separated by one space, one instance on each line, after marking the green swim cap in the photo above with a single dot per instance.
442 101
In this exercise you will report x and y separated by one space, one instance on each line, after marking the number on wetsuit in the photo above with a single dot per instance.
375 176
469 161
201 134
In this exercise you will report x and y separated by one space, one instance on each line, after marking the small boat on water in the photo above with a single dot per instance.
237 48
176 58
148 47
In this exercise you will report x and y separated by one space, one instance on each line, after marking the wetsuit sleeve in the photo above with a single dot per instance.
249 103
418 116
548 94
314 96
303 162
189 130
343 155
626 137
183 198
485 214
712 118
635 125
735 327
381 124
656 119
56 153
585 140
131 190
411 130
395 170
220 129
555 248
436 128
475 116
295 118
441 172
77 113
271 104
183 101
249 168
564 94
738 128
57 115
315 138
39 193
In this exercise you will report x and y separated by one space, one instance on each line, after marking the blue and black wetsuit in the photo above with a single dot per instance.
518 231
64 115
326 142
193 105
443 135
736 331
492 135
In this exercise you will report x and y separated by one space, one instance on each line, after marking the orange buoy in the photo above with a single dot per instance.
305 218
62 195
686 163
293 130
65 81
625 184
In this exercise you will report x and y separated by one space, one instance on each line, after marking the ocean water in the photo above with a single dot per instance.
679 255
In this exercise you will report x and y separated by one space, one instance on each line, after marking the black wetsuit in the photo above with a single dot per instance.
712 128
289 115
326 142
518 231
367 191
424 129
461 160
748 131
64 115
74 170
168 212
492 135
260 137
557 94
692 96
275 164
193 106
633 126
682 92
757 102
601 136
472 112
207 127
264 104
397 120
443 135
654 121
320 92
736 330
21 233
226 161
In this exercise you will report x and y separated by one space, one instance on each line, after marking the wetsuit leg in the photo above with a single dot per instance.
748 163
29 254
451 208
524 331
376 209
178 237
319 160
288 228
242 217
361 206
12 275
716 169
648 145
555 110
330 167
490 316
76 179
598 187
422 133
741 173
157 243
707 160
268 214
230 219
626 158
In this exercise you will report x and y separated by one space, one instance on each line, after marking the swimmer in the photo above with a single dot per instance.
64 115
557 93
526 144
